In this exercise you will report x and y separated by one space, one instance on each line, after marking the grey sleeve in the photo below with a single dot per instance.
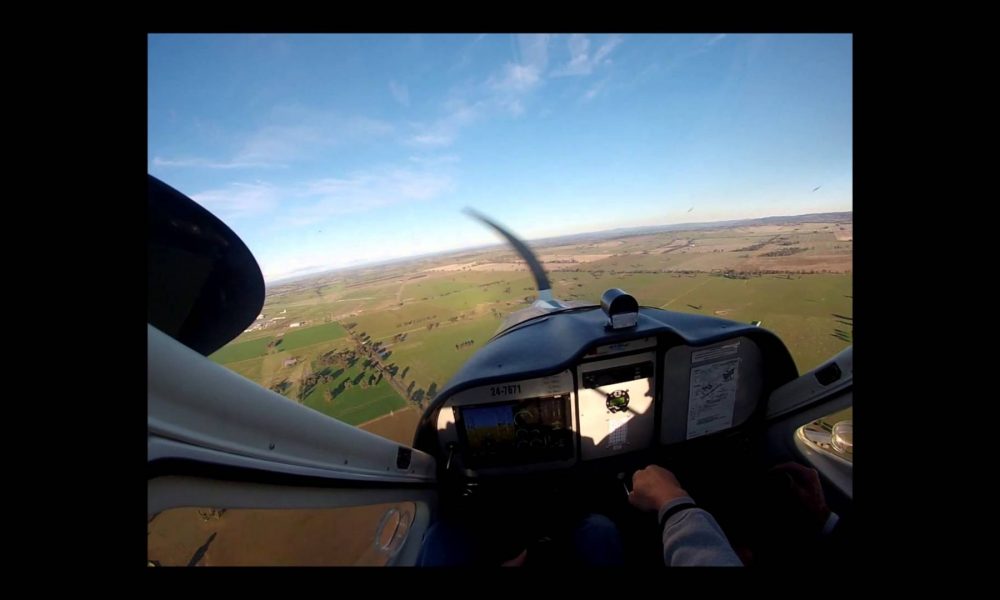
692 538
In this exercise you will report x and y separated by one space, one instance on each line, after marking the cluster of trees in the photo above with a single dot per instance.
314 379
415 321
338 358
464 344
734 274
417 396
785 251
281 387
751 248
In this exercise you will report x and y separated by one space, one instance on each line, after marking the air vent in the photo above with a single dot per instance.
828 374
403 458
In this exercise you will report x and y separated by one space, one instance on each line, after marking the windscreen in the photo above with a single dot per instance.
708 174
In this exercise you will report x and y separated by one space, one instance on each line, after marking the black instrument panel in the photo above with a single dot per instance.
644 380
613 404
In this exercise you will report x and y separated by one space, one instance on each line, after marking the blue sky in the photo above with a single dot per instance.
326 151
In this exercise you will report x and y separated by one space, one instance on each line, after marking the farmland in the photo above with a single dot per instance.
372 345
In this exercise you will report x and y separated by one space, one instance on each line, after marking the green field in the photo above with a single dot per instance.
356 401
801 310
252 369
432 356
307 336
242 351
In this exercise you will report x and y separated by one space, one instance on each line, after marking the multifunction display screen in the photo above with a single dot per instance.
517 432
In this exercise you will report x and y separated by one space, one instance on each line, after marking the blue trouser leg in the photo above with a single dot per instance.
597 542
447 544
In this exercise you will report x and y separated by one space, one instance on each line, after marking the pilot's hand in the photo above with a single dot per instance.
653 487
797 492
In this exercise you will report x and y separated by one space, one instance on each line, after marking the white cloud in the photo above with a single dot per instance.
502 92
600 57
400 92
364 191
439 159
515 78
465 55
534 51
278 143
594 90
581 61
239 200
294 133
433 139
209 164
715 39
315 200
304 132
444 131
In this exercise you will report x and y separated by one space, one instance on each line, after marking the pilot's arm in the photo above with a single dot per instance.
691 536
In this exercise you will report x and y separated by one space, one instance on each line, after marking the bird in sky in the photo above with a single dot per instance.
817 187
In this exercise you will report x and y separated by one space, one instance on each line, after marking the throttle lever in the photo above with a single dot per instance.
622 478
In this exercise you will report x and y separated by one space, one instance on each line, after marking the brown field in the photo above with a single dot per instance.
450 267
832 263
500 266
552 262
580 258
261 537
398 427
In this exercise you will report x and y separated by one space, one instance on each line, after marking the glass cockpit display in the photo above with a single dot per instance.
518 432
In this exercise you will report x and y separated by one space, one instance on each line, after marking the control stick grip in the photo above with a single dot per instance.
625 483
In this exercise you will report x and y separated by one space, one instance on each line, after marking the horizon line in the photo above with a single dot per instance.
320 270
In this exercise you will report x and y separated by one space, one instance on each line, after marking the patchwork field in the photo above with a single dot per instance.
377 343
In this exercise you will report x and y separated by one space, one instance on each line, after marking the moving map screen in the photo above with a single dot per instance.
518 432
